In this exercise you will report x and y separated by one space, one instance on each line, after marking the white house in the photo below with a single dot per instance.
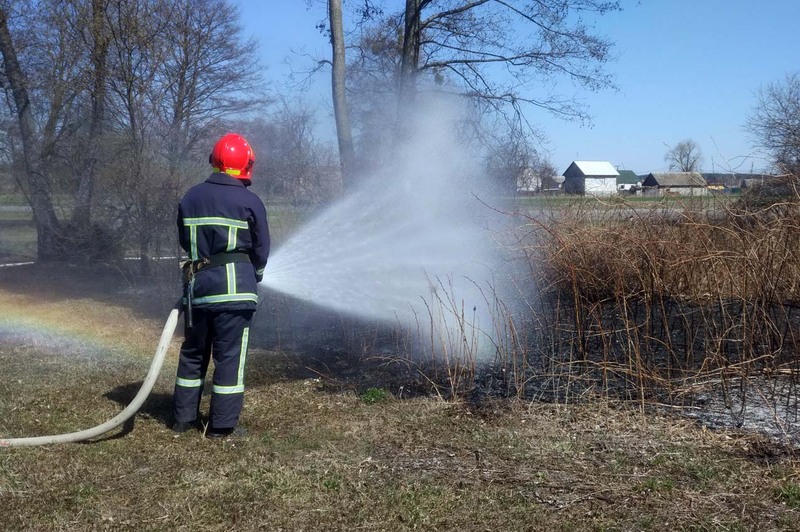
628 181
528 182
532 182
595 178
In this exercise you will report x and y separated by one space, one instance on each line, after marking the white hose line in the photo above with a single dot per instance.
122 417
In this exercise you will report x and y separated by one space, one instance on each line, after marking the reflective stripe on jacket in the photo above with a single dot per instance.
221 216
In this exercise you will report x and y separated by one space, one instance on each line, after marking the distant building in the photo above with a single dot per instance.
735 182
675 184
594 178
720 182
530 182
770 185
628 181
556 187
757 180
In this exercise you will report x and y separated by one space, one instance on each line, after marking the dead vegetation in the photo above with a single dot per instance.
661 305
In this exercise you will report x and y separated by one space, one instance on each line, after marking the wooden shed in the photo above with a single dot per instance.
675 183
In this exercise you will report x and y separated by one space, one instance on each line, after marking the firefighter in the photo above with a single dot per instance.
223 228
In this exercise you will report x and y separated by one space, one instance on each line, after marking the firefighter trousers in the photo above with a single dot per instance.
222 335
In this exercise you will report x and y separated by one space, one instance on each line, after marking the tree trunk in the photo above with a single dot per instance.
409 62
44 215
81 215
344 134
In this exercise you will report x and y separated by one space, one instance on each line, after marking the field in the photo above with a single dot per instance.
338 439
321 455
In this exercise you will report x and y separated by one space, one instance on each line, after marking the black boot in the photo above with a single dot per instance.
236 432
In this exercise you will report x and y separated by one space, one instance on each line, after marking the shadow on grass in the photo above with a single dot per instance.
157 406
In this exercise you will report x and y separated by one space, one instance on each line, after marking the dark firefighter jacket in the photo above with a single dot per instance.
221 216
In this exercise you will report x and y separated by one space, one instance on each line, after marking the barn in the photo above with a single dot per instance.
675 184
594 178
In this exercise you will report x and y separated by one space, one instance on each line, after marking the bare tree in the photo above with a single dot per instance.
506 58
685 156
38 186
137 188
409 59
514 164
182 71
373 88
464 42
110 98
775 122
292 164
211 73
364 10
344 134
96 37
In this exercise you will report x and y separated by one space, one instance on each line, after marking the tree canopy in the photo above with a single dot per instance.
775 122
107 103
685 156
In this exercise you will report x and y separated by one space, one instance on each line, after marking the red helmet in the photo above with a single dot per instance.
233 156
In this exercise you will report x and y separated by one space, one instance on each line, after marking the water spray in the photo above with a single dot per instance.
122 417
411 244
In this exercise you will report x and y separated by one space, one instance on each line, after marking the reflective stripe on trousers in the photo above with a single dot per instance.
225 336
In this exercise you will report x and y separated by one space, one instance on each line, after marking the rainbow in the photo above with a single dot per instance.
76 328
52 339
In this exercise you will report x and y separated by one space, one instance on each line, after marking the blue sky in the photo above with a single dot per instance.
684 68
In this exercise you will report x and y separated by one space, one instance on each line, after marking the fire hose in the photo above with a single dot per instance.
122 417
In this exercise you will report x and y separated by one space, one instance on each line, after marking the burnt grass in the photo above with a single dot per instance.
688 360
706 361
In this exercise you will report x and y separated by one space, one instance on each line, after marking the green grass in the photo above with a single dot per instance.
375 395
789 494
17 240
13 216
13 199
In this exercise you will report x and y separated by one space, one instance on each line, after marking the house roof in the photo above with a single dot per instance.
595 168
627 177
675 179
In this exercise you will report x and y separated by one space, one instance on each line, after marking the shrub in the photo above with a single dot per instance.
375 395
